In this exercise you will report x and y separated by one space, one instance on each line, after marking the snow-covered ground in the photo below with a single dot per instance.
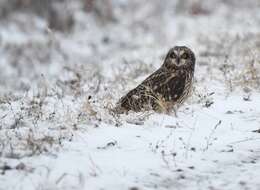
56 91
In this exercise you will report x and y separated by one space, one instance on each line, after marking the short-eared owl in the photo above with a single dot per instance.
166 88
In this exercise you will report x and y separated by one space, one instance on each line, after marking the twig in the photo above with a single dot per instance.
211 135
245 140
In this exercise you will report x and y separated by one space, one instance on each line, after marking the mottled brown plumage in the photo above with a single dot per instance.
166 88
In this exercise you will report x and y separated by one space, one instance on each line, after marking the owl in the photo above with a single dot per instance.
165 89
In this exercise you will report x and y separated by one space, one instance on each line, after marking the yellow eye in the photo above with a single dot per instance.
184 56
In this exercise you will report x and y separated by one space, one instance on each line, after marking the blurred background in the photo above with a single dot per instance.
65 63
77 45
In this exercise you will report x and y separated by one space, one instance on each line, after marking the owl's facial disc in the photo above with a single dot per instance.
179 57
183 57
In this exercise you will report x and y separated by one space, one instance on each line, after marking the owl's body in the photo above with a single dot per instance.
166 88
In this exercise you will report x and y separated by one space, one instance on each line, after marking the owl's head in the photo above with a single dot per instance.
179 57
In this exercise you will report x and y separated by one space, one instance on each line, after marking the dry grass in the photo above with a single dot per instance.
237 60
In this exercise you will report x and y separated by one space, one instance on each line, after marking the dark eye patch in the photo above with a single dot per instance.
172 55
185 56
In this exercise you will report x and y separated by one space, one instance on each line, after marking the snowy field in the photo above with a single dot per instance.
58 85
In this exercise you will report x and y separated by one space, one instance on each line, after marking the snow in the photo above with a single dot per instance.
56 131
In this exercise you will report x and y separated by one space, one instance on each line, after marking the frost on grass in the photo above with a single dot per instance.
60 77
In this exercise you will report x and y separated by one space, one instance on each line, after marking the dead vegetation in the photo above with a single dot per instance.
237 59
64 64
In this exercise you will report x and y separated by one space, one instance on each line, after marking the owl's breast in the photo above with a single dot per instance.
178 88
187 88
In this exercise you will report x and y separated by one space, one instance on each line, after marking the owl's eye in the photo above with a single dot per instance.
184 56
172 55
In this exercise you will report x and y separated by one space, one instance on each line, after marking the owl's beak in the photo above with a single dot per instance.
178 60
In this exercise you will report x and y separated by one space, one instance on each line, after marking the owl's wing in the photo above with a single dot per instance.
133 100
142 95
160 84
167 85
158 76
